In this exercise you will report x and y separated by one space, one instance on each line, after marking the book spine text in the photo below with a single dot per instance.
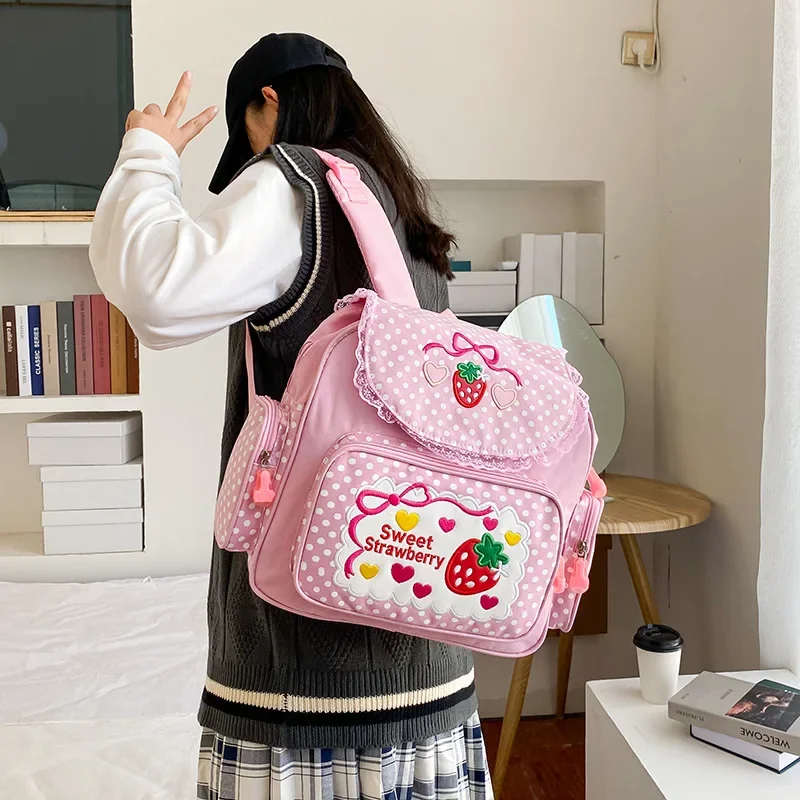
50 348
119 372
10 350
23 352
84 373
66 347
132 346
739 729
35 341
101 361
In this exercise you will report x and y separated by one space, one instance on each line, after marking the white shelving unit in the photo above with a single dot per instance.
42 261
59 405
483 212
45 234
182 405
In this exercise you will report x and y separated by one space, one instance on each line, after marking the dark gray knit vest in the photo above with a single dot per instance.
273 675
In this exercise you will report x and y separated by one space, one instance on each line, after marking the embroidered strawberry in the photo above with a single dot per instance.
475 566
468 385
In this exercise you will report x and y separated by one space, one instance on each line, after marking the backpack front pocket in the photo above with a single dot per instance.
395 534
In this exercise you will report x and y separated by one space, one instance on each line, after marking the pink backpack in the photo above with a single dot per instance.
420 474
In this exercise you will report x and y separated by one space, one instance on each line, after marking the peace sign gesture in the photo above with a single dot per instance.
167 125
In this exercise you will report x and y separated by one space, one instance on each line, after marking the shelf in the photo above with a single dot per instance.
20 544
45 234
56 405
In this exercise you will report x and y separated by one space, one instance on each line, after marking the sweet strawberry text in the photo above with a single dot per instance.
417 548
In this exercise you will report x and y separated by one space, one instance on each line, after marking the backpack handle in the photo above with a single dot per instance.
376 240
373 231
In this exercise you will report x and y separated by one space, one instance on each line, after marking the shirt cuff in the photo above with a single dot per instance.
140 142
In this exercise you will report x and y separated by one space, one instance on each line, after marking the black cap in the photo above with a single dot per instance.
267 59
658 639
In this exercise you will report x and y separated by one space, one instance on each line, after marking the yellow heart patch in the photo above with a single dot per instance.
369 571
407 521
512 538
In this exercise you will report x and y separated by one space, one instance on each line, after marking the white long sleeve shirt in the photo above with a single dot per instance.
179 279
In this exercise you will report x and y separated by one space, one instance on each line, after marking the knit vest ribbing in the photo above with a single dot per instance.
277 678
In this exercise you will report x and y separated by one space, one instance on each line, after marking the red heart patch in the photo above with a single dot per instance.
402 573
422 590
489 601
490 523
447 524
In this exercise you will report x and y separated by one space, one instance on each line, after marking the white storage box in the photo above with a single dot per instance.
490 291
83 488
107 531
85 439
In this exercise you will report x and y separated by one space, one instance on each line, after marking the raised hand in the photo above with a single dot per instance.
167 124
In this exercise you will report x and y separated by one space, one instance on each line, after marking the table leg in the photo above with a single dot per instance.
565 642
514 703
641 583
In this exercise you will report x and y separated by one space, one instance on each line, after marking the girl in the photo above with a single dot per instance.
293 707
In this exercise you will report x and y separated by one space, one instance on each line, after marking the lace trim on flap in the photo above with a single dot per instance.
351 299
547 447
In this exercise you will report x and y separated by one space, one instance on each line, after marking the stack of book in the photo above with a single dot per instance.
759 722
84 346
91 481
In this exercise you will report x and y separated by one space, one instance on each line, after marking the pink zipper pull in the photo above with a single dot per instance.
263 493
579 579
560 579
597 485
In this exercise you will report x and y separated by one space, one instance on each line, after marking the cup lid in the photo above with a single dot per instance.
658 639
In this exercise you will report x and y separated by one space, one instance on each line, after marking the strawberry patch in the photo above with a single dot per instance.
469 387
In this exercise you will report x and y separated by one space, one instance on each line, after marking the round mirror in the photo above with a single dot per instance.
551 320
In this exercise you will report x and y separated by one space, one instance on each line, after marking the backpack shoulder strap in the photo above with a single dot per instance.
373 231
376 240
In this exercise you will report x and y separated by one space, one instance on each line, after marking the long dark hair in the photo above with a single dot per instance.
325 108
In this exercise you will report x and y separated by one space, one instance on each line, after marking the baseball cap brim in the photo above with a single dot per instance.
269 58
236 153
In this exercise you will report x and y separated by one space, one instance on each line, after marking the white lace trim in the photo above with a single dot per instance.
546 454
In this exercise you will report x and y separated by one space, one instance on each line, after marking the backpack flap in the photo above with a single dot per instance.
465 392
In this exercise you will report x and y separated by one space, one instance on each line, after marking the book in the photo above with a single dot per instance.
10 350
23 351
582 274
84 372
35 344
66 347
539 258
101 341
764 756
765 713
49 313
119 372
132 353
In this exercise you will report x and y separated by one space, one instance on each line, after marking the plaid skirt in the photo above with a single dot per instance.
450 766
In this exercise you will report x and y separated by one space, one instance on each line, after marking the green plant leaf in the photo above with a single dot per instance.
469 372
490 552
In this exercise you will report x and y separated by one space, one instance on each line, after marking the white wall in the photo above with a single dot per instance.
505 90
714 164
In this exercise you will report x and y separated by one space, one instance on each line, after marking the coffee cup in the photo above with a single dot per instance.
658 651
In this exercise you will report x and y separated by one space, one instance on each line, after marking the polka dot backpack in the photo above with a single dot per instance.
420 474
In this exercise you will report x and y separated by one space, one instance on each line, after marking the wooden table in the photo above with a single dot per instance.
634 506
